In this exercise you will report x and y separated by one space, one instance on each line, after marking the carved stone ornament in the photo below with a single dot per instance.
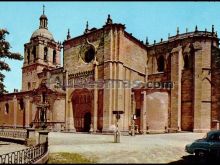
88 52
197 45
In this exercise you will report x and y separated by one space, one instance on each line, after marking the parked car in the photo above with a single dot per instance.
209 145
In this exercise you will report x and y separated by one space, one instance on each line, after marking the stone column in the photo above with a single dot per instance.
43 136
30 132
176 73
15 101
27 111
95 114
143 113
95 117
120 97
31 138
66 100
130 112
133 103
202 89
127 108
107 97
107 111
70 118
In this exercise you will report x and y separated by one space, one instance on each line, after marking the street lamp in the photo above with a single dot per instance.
117 132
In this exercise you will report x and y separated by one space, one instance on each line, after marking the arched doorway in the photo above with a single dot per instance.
82 103
87 121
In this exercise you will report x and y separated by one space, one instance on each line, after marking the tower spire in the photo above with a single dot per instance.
68 34
43 9
146 43
213 29
196 28
109 20
43 20
177 31
87 27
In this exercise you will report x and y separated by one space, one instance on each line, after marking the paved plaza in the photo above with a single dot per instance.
150 148
6 147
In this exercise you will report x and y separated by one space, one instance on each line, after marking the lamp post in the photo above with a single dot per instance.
117 133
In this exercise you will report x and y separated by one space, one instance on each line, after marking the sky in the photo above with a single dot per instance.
143 19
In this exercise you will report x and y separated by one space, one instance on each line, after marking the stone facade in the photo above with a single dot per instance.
106 70
42 77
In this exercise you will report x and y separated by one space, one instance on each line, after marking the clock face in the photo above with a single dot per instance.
88 53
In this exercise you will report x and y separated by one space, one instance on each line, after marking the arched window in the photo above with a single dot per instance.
6 108
34 53
54 56
160 64
186 62
21 104
89 55
28 56
29 85
45 54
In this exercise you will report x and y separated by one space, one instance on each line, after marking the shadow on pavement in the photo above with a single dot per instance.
192 159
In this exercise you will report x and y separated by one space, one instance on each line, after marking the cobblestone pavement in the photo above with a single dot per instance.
6 147
150 148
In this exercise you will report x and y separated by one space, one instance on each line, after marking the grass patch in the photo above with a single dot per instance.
64 158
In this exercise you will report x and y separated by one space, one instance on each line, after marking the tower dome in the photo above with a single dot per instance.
43 29
43 33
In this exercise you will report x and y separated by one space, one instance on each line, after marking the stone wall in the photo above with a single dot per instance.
215 81
187 111
157 116
16 116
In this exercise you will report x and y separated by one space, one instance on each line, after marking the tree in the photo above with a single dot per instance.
5 53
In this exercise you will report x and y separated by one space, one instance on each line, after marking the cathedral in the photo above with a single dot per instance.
109 77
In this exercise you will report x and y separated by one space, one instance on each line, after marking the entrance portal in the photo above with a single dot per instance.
87 121
82 100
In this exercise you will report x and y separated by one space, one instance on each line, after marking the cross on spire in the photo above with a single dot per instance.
43 9
43 19
87 27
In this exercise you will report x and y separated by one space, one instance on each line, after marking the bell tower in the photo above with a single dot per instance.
40 52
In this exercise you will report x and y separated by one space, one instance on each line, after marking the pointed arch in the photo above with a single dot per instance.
186 61
160 64
45 54
29 86
34 52
54 56
28 56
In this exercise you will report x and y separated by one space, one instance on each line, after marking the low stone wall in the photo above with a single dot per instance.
38 150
